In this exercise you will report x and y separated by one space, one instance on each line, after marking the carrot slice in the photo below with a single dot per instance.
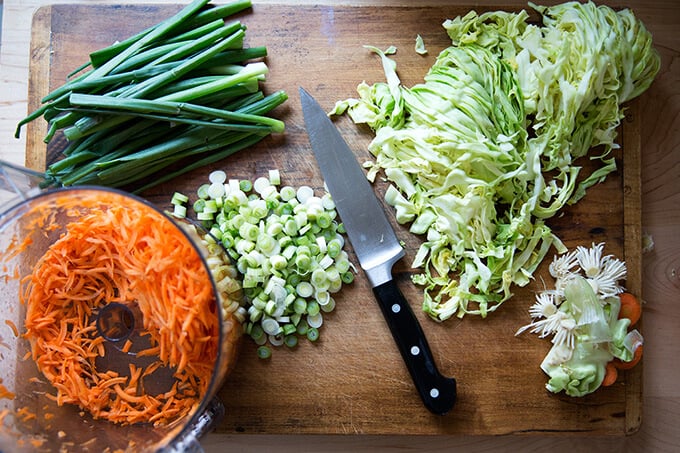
631 308
611 374
637 355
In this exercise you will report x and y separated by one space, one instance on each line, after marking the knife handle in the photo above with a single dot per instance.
437 391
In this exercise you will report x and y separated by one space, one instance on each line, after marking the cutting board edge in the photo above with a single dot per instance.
38 86
632 228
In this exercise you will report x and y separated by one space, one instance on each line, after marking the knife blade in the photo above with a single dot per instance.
377 248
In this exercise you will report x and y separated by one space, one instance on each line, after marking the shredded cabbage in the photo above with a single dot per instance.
484 150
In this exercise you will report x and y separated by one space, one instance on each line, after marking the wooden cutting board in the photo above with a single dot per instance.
353 380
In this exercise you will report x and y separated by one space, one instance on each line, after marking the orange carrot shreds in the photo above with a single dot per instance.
5 393
124 252
25 414
12 326
37 443
127 346
3 414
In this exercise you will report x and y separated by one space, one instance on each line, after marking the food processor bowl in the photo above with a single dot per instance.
143 385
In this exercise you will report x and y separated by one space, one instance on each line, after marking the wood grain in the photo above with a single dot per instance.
353 380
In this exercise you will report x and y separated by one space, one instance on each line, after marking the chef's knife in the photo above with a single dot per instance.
377 248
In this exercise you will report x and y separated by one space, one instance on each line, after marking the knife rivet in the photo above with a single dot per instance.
434 393
396 308
415 350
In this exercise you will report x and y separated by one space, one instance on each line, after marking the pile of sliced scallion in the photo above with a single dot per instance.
177 96
287 245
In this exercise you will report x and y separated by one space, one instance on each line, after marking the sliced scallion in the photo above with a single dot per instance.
290 262
312 334
264 352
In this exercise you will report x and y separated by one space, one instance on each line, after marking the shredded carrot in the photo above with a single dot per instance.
25 414
5 393
3 414
127 346
12 326
37 443
89 443
127 253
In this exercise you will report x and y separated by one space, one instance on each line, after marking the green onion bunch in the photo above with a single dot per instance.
177 96
288 247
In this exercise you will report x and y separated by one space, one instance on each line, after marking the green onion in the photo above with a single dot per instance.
264 352
315 321
256 331
347 277
313 308
312 334
177 96
178 198
302 328
289 329
276 340
290 340
271 326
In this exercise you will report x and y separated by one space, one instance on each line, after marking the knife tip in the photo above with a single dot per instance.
306 99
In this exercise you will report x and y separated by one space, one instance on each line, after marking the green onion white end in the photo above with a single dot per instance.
581 317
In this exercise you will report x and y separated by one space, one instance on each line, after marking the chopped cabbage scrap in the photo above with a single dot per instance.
482 152
581 314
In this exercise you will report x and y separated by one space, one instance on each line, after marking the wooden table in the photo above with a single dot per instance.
659 431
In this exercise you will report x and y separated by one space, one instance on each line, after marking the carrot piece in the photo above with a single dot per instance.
12 326
637 355
611 374
37 443
126 347
25 414
631 308
5 393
